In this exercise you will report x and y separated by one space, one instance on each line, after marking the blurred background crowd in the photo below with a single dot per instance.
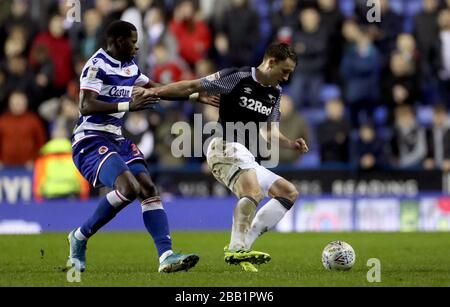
364 95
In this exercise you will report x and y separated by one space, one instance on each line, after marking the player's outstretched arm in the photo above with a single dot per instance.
89 104
183 90
179 89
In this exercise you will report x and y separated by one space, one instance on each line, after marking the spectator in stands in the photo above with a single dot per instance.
426 32
20 17
110 10
333 134
408 142
192 34
445 4
3 96
385 31
332 21
164 136
305 4
360 72
210 114
442 59
60 52
167 69
55 174
89 38
221 53
73 87
68 115
204 68
293 126
400 85
14 48
285 21
137 14
157 32
43 73
60 112
16 43
438 141
369 148
407 47
137 129
310 44
240 30
19 78
21 133
214 10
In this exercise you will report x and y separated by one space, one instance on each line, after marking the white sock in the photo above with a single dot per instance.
242 219
79 236
116 199
266 218
165 255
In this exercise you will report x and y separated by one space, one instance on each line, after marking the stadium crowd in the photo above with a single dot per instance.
364 95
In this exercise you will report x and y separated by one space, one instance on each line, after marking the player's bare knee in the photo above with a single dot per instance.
148 191
292 193
288 191
129 188
259 196
256 194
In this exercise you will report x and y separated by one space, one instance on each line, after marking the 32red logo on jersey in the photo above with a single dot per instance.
102 150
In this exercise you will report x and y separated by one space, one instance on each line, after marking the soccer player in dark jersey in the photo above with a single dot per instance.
248 95
112 84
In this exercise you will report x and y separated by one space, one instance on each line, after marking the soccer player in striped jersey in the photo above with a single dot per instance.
248 95
112 84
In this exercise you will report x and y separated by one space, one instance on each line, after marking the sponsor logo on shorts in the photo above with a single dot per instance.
102 150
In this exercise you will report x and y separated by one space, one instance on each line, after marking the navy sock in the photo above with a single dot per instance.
155 220
107 209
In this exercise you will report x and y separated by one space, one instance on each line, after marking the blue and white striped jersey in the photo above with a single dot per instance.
113 81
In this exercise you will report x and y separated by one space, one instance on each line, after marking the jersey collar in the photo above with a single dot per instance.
256 80
110 57
113 60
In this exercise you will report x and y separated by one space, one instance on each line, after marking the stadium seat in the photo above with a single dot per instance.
329 91
424 115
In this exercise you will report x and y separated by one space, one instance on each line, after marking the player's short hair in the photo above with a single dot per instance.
119 28
280 51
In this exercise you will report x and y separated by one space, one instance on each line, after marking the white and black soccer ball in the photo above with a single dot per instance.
338 255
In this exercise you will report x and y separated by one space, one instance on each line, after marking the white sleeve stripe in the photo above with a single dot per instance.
90 89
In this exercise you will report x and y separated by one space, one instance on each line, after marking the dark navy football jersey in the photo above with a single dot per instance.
242 98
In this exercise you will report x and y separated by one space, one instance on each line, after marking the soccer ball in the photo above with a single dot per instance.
338 255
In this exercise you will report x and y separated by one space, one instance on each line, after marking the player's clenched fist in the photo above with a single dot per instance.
300 145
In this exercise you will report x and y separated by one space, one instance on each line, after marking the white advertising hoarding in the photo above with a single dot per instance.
324 215
377 214
435 214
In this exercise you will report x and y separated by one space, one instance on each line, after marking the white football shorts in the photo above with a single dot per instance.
227 160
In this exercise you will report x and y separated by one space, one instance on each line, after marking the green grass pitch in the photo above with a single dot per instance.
129 259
